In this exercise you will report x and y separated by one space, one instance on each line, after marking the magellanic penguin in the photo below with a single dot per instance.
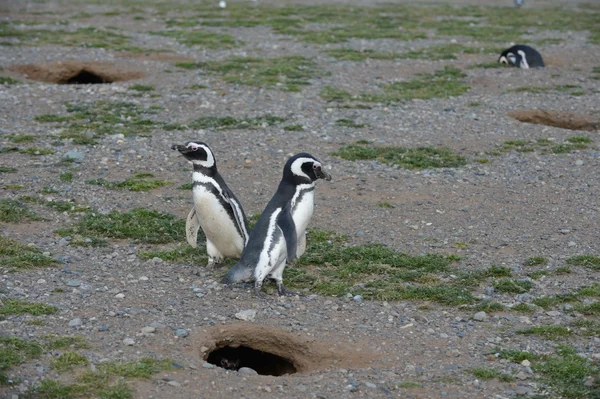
279 236
521 56
216 209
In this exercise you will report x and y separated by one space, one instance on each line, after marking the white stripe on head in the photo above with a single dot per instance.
503 60
210 159
524 64
297 166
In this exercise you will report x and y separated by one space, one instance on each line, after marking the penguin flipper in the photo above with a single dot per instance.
192 225
238 213
288 228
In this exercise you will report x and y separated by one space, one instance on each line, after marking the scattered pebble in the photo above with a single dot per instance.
182 332
480 316
246 315
247 371
75 322
129 341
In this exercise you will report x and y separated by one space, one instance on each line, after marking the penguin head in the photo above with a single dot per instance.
303 168
509 58
197 152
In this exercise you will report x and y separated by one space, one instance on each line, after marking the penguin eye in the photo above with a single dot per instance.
193 147
316 166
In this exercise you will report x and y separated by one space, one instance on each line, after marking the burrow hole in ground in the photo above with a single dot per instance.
77 72
561 119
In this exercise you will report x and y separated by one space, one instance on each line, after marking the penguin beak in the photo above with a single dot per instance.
181 148
321 174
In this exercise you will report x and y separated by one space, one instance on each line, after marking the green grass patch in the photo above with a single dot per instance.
485 373
86 122
513 286
15 256
139 224
52 389
15 351
409 158
536 261
68 361
517 356
349 123
210 40
139 182
588 309
7 169
347 54
562 270
552 332
65 342
293 128
589 261
22 138
7 80
141 88
443 83
288 73
66 177
574 90
545 146
35 151
490 307
12 211
17 306
230 122
373 271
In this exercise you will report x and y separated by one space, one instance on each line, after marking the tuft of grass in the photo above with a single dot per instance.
545 145
15 256
373 271
409 158
513 286
184 254
552 332
68 361
517 356
34 151
143 368
51 389
348 123
523 308
22 138
485 373
347 54
289 73
17 306
139 224
293 128
536 261
12 211
562 270
230 122
66 177
64 342
211 40
588 309
7 80
138 182
186 186
490 306
15 351
589 261
6 169
409 384
141 88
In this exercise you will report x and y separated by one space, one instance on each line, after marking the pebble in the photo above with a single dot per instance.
157 325
128 341
75 322
208 365
247 371
521 390
521 375
480 316
526 363
370 385
74 283
182 332
579 162
358 298
554 313
76 156
246 315
120 296
174 383
148 330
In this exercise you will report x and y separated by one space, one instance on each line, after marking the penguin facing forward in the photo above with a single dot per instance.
521 56
216 209
279 236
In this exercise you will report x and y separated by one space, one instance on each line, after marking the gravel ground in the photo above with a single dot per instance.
517 206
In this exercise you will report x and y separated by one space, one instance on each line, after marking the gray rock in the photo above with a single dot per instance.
128 342
358 298
521 375
148 330
370 385
75 322
360 234
554 313
247 371
174 383
521 390
74 283
182 332
157 325
76 156
246 315
208 365
480 316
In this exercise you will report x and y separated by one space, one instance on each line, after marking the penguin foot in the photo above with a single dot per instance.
258 291
282 291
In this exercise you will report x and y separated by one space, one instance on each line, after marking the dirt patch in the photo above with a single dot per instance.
77 72
238 345
167 57
565 120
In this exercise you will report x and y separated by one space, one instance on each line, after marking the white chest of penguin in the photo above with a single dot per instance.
216 222
302 211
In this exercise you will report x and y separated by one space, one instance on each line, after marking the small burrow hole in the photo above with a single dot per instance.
560 119
84 77
264 363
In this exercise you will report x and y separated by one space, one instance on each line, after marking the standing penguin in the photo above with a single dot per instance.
216 209
521 56
279 236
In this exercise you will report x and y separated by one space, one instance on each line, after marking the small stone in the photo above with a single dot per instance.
143 278
148 330
567 307
360 234
370 385
157 325
526 363
443 335
182 332
207 365
75 322
75 156
579 162
554 313
522 391
480 316
177 365
74 283
521 375
174 383
128 341
103 328
247 371
63 242
246 315
120 296
358 298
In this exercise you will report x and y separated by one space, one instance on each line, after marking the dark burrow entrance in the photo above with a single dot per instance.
85 77
264 363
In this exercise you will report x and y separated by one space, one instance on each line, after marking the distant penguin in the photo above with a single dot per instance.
519 3
279 235
521 56
216 209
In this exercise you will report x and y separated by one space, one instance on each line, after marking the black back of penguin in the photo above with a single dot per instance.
522 56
